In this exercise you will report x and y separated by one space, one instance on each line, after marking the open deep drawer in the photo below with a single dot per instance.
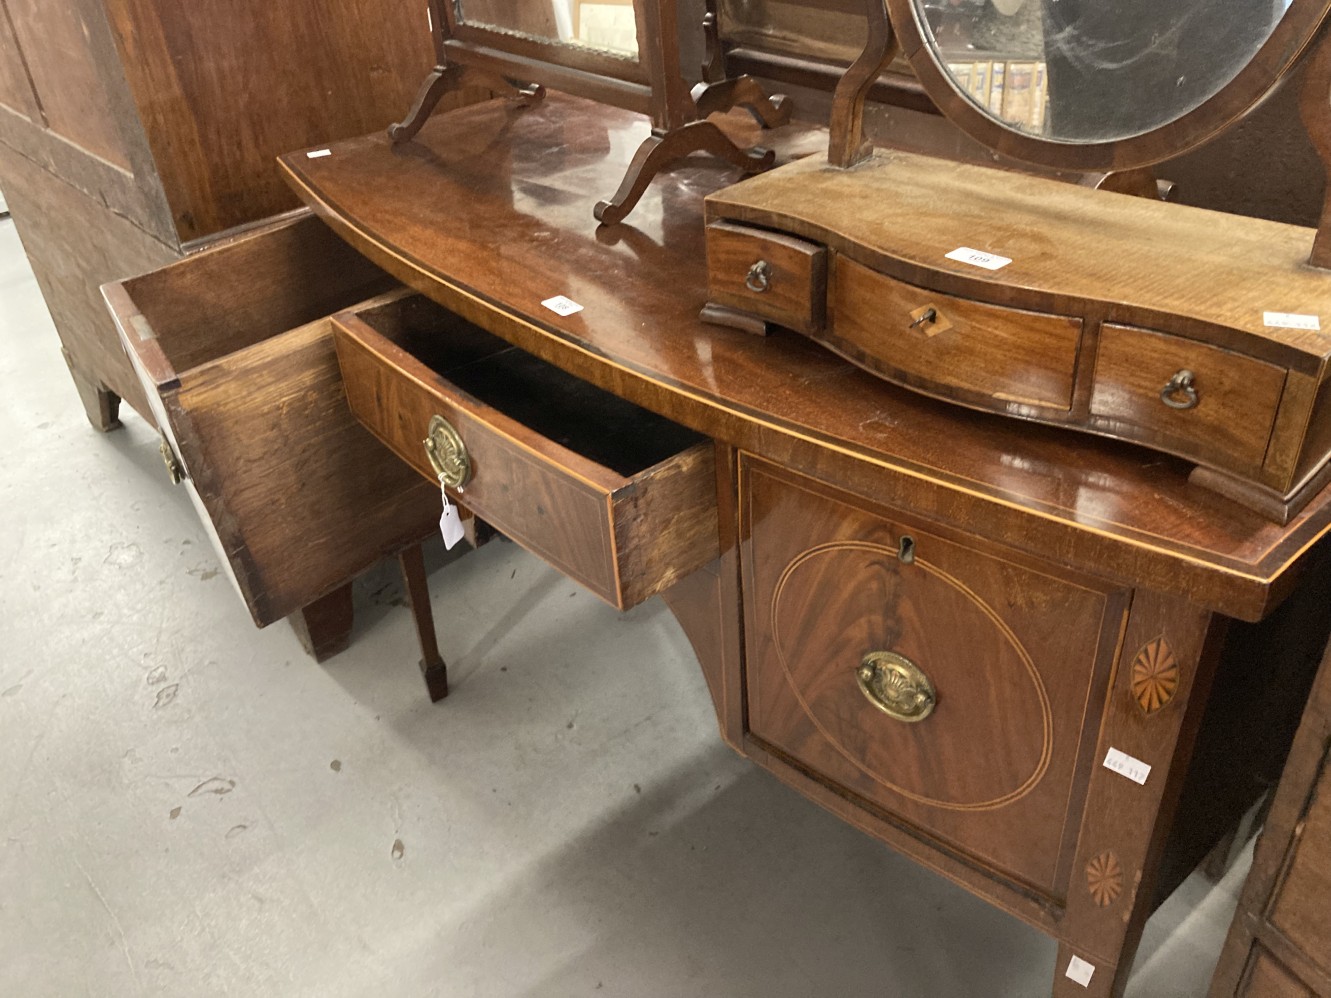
616 497
234 348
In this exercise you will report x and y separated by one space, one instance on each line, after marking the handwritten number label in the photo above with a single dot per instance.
1125 765
1290 320
561 305
978 258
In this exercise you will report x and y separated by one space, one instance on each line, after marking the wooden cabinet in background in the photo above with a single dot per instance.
1279 944
136 132
133 131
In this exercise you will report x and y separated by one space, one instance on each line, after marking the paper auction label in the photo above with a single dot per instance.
1125 765
978 258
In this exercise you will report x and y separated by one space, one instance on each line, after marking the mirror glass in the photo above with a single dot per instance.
603 25
1094 70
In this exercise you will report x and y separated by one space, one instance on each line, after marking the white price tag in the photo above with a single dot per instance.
1080 971
1125 765
319 153
1290 320
450 523
561 305
978 258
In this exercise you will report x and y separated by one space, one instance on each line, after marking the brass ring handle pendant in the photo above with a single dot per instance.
896 686
759 278
1180 392
174 468
447 454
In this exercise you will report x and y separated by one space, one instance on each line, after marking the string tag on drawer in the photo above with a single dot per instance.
450 522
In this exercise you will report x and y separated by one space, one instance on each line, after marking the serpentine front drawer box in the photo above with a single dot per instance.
1090 312
617 498
234 349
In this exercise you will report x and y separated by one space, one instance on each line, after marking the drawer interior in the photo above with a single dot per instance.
248 290
586 420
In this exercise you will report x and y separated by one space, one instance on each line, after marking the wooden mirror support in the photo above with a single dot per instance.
1194 333
506 63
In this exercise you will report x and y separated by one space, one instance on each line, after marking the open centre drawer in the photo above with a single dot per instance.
619 499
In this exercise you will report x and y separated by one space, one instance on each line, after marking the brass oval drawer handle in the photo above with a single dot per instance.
896 686
759 278
447 453
1180 392
174 468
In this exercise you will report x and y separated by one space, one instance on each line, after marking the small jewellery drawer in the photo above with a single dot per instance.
941 681
1197 400
618 498
952 346
778 278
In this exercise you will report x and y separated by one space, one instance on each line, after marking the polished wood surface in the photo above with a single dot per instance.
1238 395
771 276
269 77
1063 589
431 214
236 354
1280 940
926 338
1018 652
1206 289
615 497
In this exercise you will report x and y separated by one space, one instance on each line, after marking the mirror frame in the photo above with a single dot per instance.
647 84
1295 34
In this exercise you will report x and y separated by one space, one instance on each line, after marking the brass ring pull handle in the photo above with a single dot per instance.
174 468
447 454
1180 392
928 315
896 686
759 278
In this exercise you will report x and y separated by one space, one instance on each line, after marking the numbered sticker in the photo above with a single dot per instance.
1291 320
1125 765
1080 971
561 305
978 258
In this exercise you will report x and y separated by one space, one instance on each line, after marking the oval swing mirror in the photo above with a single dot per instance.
1100 84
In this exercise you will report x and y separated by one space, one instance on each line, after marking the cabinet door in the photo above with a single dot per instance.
1017 654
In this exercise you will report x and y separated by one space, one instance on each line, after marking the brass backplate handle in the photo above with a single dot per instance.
896 686
447 453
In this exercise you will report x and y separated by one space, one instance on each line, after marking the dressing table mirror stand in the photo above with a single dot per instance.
645 78
1192 332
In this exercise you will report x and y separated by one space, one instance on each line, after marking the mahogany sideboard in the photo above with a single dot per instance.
1096 634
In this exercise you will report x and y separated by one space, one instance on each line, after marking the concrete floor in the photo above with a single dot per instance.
191 807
